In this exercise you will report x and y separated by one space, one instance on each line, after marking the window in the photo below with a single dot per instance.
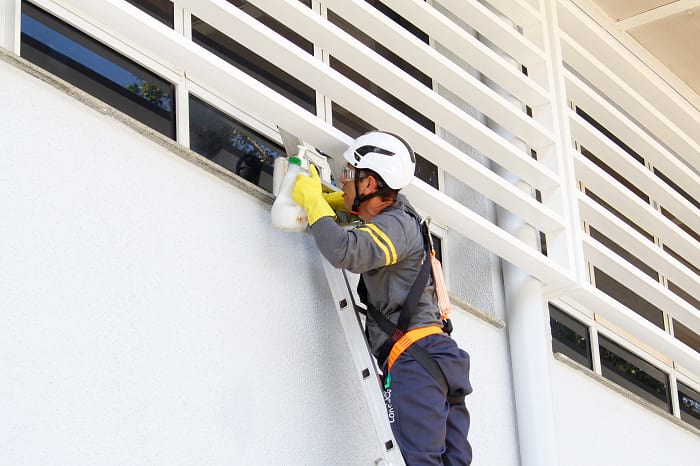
86 63
231 144
570 337
162 10
257 67
689 404
633 373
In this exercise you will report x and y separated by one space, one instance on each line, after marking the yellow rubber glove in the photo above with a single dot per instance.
336 201
307 193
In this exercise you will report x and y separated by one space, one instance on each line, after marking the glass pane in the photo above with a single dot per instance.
257 67
620 251
305 44
231 144
624 295
570 337
689 403
610 135
162 10
354 126
86 63
633 373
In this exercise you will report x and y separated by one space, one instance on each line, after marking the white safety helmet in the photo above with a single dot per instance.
386 154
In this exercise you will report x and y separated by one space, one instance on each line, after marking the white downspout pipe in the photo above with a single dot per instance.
527 324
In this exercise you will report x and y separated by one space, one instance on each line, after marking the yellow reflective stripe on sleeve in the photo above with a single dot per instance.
379 243
386 239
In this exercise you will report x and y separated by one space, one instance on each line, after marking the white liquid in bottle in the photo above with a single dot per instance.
287 215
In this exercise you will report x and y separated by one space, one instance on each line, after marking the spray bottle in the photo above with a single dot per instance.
287 215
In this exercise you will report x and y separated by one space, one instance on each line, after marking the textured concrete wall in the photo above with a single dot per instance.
151 315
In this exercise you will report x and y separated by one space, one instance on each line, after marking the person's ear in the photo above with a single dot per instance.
372 184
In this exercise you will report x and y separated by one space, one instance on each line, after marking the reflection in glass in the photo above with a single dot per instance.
86 63
254 65
570 337
162 10
231 144
633 373
689 404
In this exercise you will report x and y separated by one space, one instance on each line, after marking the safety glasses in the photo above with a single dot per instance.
348 173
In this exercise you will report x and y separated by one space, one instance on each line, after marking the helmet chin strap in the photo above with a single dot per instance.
360 199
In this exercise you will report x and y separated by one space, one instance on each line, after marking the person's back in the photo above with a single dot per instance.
426 375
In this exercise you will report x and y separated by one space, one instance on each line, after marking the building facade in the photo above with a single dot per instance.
152 315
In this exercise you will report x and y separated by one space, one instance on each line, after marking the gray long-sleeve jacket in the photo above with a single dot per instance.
388 252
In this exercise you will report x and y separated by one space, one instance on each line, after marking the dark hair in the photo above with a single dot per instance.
385 192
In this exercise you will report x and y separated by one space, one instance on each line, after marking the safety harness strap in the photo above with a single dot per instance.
397 333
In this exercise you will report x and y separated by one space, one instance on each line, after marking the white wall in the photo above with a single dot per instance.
597 425
151 315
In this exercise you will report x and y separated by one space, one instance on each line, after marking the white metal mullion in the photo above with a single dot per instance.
10 19
632 207
636 326
638 245
275 48
353 53
440 69
673 394
617 159
564 245
595 348
630 69
446 211
641 284
636 138
182 112
490 26
447 33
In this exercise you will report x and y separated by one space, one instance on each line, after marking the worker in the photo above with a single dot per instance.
425 373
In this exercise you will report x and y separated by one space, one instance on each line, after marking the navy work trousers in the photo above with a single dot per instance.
427 428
